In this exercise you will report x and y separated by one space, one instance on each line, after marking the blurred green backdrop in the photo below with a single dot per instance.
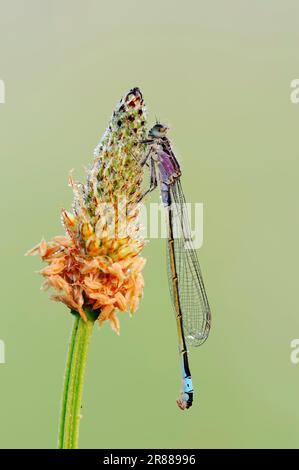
219 73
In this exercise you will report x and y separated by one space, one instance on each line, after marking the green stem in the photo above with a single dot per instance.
73 382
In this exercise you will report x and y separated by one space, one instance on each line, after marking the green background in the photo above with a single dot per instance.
219 73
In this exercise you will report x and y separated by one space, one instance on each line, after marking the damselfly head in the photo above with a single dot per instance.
158 130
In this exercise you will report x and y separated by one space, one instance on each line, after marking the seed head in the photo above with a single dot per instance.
97 263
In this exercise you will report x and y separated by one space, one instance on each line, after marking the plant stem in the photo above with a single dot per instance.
73 382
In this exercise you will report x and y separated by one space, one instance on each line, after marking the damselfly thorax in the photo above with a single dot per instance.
162 154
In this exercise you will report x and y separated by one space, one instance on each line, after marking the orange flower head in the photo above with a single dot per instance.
97 265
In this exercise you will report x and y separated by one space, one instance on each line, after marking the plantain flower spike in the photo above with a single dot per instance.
96 265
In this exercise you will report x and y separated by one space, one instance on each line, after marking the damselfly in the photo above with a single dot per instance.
187 289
